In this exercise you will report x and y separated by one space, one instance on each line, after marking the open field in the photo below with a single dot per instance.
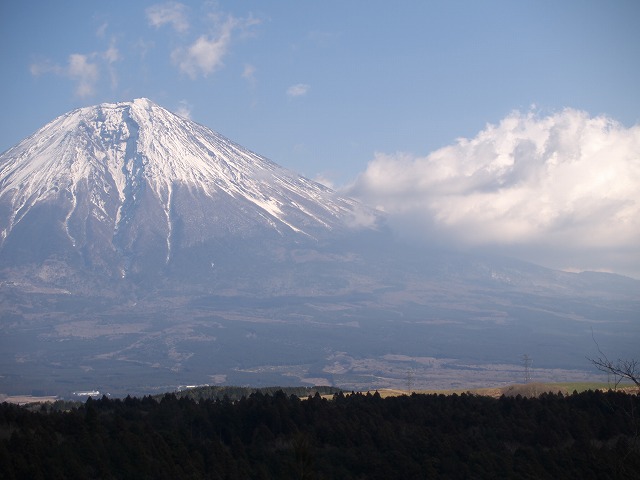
530 389
25 399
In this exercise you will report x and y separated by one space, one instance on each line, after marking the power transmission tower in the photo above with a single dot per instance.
527 361
409 381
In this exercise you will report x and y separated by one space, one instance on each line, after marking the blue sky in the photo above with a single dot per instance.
347 91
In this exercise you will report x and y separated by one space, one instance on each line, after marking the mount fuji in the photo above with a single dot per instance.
140 251
131 190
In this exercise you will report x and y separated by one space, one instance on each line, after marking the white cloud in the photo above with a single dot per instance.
205 55
172 13
363 218
84 72
83 69
249 73
102 30
325 180
298 90
45 66
184 109
111 56
562 190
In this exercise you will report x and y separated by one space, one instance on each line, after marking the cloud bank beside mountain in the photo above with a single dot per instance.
562 190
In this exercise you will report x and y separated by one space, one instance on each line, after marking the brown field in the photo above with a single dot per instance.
529 389
25 399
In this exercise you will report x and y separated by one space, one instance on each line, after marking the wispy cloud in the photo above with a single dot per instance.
45 66
206 54
84 69
170 13
102 30
298 90
184 109
562 188
325 180
84 72
80 68
111 56
249 73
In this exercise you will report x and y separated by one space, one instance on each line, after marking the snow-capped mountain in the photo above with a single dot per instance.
138 248
129 187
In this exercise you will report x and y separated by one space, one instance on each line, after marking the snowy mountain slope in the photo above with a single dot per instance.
132 183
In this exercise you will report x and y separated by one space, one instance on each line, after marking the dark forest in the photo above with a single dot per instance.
350 436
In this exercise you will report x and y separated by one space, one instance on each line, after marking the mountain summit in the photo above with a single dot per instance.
130 187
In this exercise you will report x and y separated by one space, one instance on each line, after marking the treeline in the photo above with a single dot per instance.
591 435
210 392
233 393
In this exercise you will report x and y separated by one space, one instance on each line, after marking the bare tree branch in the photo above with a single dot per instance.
621 368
